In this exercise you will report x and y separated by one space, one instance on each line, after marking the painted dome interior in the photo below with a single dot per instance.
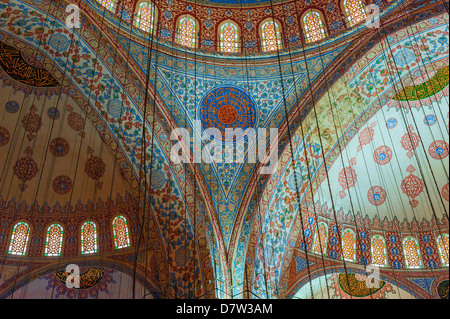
116 154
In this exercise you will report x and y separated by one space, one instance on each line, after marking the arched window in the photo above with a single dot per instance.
54 240
145 16
19 239
320 239
443 246
229 37
354 11
412 253
314 27
270 36
109 4
349 245
378 251
89 238
120 232
186 32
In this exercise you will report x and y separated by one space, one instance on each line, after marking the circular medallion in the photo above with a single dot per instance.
382 155
53 113
442 289
227 114
12 107
227 108
391 123
59 42
4 136
376 196
31 122
62 185
438 149
59 147
430 119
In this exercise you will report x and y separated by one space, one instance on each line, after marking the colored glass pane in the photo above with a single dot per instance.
120 232
271 39
349 245
108 4
321 239
355 11
53 242
412 254
88 238
144 17
314 28
186 32
378 250
229 39
19 239
443 246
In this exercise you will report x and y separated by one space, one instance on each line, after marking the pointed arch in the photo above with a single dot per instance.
186 31
270 32
120 232
89 238
349 245
320 238
19 239
354 11
313 26
229 37
111 5
443 247
54 240
378 251
411 251
145 17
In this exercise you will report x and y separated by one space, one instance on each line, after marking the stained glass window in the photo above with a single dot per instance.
186 32
89 238
145 15
54 240
412 253
320 239
443 246
19 239
229 37
120 232
270 36
314 28
354 9
108 4
378 251
349 245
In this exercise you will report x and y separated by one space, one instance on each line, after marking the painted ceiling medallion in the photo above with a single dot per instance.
410 141
32 123
412 186
4 136
26 168
95 168
438 150
445 192
366 136
347 177
376 195
382 155
62 185
228 108
75 121
59 147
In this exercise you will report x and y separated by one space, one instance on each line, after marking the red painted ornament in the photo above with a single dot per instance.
347 177
412 186
438 149
410 141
